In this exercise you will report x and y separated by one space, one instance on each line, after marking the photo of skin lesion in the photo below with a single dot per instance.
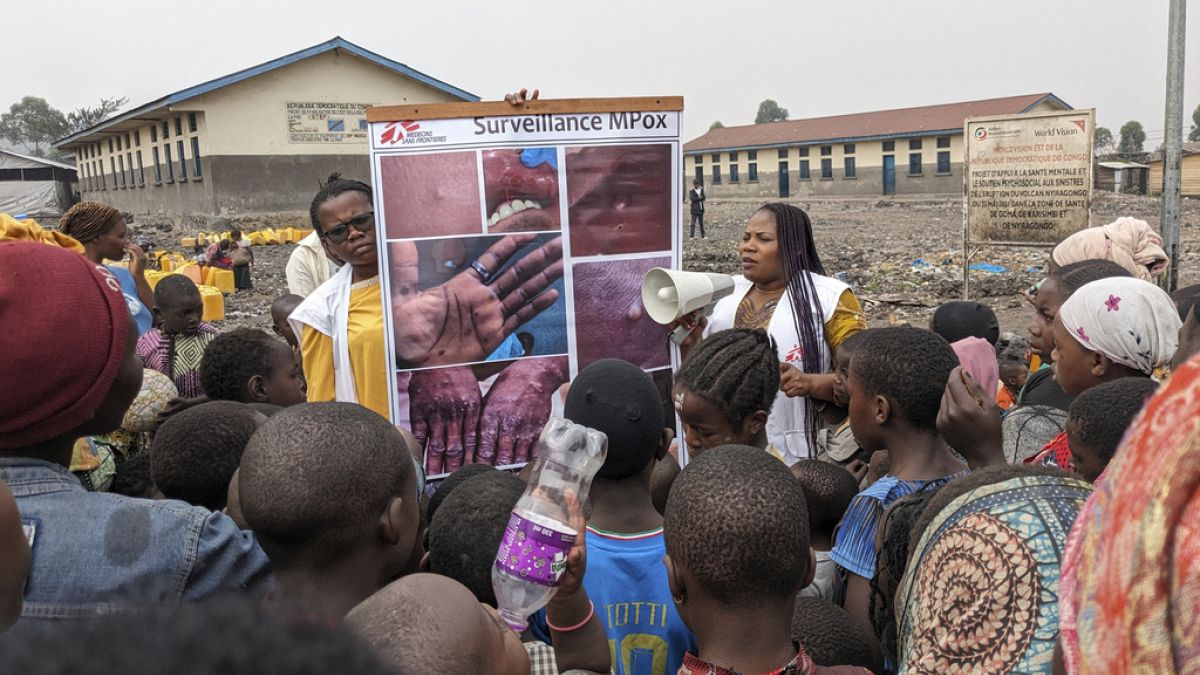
610 320
488 413
430 195
619 199
473 299
521 189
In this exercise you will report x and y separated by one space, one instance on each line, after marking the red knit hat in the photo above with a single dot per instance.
64 327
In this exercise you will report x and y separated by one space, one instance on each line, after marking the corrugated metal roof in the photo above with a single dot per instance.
1188 150
29 162
924 120
233 78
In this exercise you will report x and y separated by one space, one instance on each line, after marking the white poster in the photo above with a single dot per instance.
515 249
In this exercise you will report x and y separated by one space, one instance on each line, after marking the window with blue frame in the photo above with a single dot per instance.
733 173
804 170
943 162
716 173
914 164
848 167
199 170
752 172
826 168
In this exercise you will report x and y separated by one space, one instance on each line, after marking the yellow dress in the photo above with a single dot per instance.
848 318
368 353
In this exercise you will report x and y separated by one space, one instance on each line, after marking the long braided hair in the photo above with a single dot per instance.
799 259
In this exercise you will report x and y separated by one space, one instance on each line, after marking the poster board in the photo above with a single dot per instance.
1028 178
515 239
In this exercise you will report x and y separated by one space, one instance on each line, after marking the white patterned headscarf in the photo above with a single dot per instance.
1132 322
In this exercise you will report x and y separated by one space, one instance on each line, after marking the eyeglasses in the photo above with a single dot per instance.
338 233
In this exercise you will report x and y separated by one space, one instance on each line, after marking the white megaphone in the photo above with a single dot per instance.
674 295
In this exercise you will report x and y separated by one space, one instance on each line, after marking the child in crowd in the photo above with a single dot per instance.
450 484
961 319
897 379
1098 420
135 478
330 490
250 366
1107 330
281 309
828 491
1014 372
93 552
725 388
427 624
195 453
833 637
737 553
836 444
465 533
176 346
625 533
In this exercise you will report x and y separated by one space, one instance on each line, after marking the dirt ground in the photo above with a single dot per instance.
873 245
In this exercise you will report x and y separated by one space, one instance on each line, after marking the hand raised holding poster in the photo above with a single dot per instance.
469 316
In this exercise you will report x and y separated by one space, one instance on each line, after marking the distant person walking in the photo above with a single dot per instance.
696 197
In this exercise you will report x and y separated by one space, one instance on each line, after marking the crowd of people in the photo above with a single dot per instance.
174 498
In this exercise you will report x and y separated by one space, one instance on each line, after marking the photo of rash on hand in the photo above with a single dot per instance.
521 189
430 195
619 199
475 299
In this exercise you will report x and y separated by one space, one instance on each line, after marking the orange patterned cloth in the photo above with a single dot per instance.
1132 575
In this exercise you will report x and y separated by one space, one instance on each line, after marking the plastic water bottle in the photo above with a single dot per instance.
533 552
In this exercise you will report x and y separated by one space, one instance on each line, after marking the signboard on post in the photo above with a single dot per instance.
1027 179
515 239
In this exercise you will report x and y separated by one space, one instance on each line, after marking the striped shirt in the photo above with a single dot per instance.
854 539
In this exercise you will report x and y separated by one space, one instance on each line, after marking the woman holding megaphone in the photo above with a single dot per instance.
783 290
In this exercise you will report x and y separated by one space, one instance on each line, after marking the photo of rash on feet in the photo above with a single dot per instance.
521 189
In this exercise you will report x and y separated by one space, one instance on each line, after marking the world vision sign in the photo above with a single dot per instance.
1028 177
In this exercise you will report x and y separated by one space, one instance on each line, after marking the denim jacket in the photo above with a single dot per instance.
95 552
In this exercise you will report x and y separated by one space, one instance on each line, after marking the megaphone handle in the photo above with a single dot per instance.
689 322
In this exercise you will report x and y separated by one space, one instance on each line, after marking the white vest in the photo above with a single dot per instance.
786 430
327 310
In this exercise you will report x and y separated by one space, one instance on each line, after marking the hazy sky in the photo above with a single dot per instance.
814 58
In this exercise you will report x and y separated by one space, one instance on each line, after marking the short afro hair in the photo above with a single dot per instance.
832 637
195 452
316 474
175 288
134 477
1103 413
232 638
1077 275
451 483
828 490
736 370
466 531
909 366
960 319
852 343
232 358
620 400
736 521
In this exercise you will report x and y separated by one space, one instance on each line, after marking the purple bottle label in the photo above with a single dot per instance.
534 552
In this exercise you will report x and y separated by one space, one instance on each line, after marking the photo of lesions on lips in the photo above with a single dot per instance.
521 189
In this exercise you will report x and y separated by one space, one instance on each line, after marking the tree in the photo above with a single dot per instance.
33 123
1194 136
85 118
769 111
716 125
1132 137
1102 140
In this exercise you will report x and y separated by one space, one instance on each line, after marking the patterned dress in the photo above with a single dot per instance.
980 594
177 356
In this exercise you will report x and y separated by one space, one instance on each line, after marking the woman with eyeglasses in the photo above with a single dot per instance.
340 325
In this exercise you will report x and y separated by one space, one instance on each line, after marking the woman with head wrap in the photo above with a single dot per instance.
102 231
1129 242
981 590
1132 566
1108 329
